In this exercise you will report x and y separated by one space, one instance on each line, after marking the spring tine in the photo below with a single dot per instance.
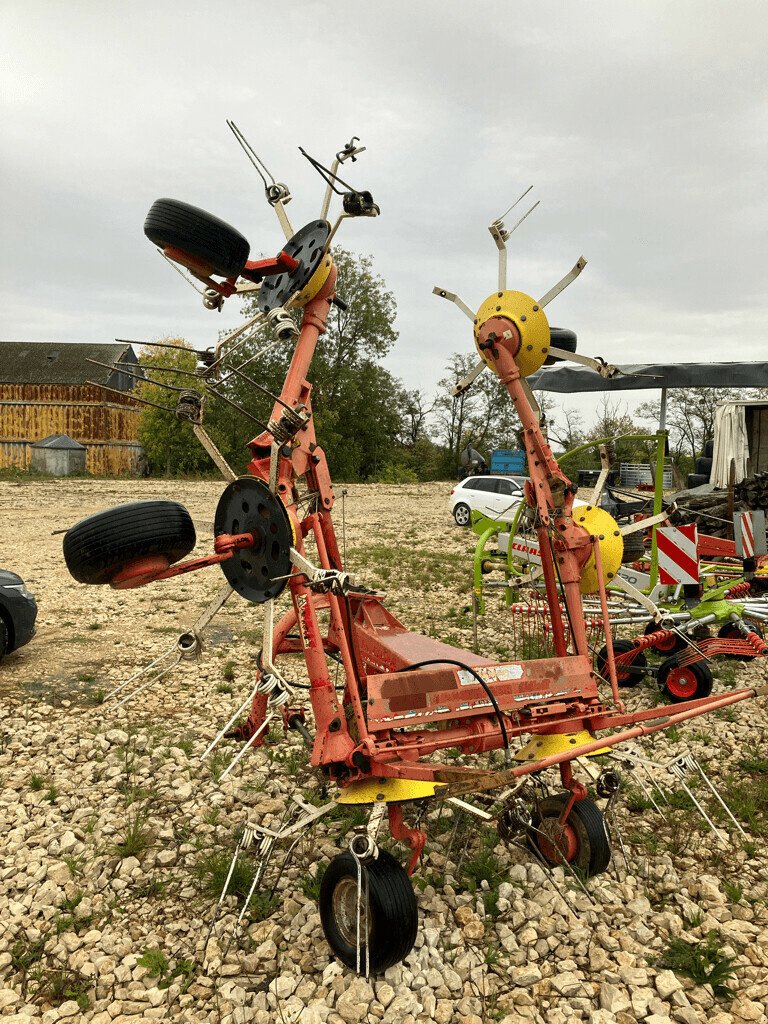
678 769
548 871
222 732
717 796
566 865
134 398
654 783
458 815
247 744
228 879
138 673
150 682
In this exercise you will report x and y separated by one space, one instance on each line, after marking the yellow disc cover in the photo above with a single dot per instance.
598 523
529 318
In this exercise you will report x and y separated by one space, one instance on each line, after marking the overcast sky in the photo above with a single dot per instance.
642 126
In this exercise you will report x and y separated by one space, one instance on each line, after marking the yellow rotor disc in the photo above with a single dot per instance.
598 523
316 282
529 318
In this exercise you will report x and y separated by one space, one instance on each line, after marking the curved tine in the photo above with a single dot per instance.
133 398
222 732
518 200
140 672
546 867
252 155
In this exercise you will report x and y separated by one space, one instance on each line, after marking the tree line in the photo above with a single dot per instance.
370 425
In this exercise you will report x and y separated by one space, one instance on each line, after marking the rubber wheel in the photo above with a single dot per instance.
669 646
626 675
697 479
704 466
634 547
583 840
3 639
393 915
684 682
461 514
732 632
560 337
97 548
200 234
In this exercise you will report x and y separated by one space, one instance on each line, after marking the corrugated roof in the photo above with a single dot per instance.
59 441
46 362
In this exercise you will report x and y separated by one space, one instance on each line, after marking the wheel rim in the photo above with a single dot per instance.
461 515
682 682
558 841
666 645
344 908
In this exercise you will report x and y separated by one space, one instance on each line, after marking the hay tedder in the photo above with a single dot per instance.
403 697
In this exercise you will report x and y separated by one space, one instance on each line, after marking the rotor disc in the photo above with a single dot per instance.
248 506
308 247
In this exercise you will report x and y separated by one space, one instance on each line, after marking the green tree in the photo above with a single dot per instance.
170 447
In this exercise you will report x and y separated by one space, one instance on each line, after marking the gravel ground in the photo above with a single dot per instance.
111 823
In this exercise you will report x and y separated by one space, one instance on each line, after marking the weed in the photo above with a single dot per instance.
217 764
694 921
754 762
733 891
51 794
86 677
702 961
63 984
224 688
228 672
310 885
212 815
25 953
152 888
98 696
187 746
93 626
136 837
155 962
36 783
75 864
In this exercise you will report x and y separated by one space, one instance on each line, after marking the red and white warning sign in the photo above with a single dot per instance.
678 554
749 533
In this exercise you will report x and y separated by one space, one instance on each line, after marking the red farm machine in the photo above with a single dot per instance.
405 696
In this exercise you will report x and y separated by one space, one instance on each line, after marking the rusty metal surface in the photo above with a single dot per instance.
109 429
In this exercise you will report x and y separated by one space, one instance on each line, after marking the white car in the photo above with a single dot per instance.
495 496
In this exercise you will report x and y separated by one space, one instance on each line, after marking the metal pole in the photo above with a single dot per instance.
658 490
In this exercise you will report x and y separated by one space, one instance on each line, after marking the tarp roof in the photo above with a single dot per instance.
59 441
648 376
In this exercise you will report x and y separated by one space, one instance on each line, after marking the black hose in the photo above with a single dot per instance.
481 681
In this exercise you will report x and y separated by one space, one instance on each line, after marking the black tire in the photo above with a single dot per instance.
592 853
200 234
704 466
730 631
682 683
392 908
4 643
634 547
462 515
697 479
560 337
627 675
709 448
97 548
671 646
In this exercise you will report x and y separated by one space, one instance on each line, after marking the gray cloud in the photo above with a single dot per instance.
641 126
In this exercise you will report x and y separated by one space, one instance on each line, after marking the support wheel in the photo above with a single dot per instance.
97 548
627 674
392 913
730 631
668 646
211 242
684 682
582 841
461 514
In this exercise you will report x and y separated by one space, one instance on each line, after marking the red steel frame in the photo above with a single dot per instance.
388 717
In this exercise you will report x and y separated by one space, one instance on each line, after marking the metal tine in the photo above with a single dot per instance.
519 200
678 769
566 865
222 732
266 849
140 672
530 851
181 273
245 840
459 815
235 760
163 344
261 388
514 228
123 368
655 784
716 794
252 155
134 398
150 682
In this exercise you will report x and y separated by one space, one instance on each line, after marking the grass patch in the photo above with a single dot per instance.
36 783
310 885
211 872
702 962
137 837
